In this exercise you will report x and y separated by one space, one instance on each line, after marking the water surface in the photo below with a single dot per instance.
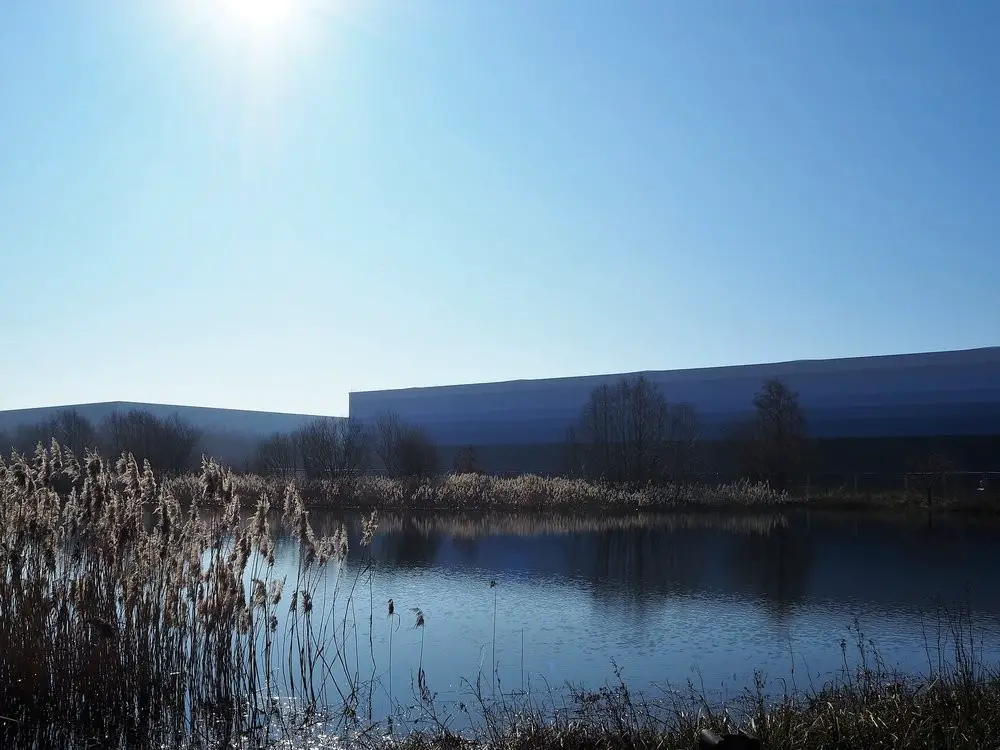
707 597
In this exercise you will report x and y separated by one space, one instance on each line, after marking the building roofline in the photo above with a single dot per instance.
144 404
715 369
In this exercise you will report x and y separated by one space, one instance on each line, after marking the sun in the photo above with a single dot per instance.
252 24
259 16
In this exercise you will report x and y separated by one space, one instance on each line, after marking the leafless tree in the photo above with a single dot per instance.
629 433
929 473
385 437
777 435
277 456
332 448
681 444
417 454
467 461
403 449
68 427
168 444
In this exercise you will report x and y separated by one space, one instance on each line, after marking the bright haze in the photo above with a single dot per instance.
264 204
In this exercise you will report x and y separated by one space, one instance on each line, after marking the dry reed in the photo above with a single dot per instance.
129 620
483 492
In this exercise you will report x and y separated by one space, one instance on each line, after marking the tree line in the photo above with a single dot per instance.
168 444
334 448
629 432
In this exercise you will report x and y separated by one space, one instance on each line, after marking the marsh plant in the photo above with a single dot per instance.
130 620
517 494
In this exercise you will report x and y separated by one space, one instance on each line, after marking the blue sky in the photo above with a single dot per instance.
202 208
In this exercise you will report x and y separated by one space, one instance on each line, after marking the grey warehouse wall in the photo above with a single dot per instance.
950 393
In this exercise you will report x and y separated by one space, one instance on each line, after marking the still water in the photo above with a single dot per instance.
708 598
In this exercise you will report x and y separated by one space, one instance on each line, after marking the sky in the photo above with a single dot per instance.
267 204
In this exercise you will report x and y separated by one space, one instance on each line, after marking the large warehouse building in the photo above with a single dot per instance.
521 425
865 413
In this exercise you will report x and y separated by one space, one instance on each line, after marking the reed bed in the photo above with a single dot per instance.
484 492
127 621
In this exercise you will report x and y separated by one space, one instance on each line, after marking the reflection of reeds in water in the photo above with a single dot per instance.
473 526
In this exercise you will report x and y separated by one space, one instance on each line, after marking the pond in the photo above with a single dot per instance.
708 597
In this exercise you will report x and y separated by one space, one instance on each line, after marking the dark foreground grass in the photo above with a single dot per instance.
956 705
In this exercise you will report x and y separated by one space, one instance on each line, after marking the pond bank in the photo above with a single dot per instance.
867 707
531 493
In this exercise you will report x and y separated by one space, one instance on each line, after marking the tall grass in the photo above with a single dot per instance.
483 492
129 620
956 704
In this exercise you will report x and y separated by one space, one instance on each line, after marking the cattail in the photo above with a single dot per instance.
392 608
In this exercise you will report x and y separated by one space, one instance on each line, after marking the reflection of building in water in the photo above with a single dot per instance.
521 425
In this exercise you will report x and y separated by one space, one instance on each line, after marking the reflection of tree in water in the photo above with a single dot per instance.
467 547
407 547
775 567
642 567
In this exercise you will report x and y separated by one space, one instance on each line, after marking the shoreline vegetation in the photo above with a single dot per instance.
111 586
532 494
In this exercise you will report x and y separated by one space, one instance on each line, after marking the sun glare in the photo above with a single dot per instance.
260 16
257 24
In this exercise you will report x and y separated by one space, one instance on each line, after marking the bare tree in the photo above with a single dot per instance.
778 433
278 456
177 439
467 461
929 473
385 436
417 454
355 446
597 433
681 444
331 448
74 431
68 427
403 449
168 444
629 433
